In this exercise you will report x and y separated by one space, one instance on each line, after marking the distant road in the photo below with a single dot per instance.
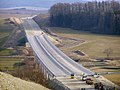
16 56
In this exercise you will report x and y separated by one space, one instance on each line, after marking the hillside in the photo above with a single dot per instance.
8 82
97 17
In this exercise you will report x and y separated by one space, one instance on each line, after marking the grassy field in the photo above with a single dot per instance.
94 44
5 52
8 62
5 30
115 80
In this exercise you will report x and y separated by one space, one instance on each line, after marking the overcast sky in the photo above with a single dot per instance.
35 3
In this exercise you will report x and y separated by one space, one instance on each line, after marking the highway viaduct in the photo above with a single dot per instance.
54 64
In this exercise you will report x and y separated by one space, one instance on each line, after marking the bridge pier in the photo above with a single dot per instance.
36 61
48 77
45 72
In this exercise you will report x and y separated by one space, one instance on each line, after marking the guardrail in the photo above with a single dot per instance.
36 42
52 57
88 72
43 64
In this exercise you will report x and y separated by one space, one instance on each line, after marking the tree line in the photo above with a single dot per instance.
98 17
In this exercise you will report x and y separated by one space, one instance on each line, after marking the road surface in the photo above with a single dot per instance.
59 63
55 61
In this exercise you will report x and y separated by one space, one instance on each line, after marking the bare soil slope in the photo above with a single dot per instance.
8 82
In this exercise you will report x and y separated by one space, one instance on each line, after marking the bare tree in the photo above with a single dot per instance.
6 68
108 52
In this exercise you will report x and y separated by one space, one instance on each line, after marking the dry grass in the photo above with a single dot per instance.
3 16
116 78
30 72
26 71
8 82
8 63
94 44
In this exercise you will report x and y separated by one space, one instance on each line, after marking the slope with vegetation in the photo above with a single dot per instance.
5 30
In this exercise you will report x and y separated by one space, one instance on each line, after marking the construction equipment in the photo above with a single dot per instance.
72 76
98 86
89 81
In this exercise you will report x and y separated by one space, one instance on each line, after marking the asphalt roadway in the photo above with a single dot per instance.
54 60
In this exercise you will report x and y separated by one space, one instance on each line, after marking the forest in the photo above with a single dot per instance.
97 17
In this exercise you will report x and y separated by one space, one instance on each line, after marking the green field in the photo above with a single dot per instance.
94 45
5 52
8 62
5 30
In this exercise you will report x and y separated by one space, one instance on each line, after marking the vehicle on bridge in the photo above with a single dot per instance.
89 81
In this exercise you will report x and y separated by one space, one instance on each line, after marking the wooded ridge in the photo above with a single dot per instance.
98 17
